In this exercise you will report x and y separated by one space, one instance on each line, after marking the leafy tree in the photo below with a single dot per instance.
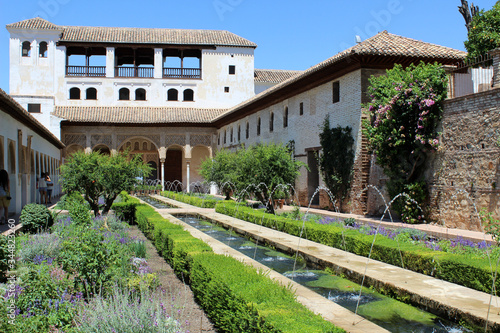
105 176
484 34
220 170
265 166
336 159
406 108
257 169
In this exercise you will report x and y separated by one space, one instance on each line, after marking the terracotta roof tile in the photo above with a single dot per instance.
382 44
273 75
138 35
36 23
17 111
136 115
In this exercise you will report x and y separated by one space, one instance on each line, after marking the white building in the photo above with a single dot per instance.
27 149
177 95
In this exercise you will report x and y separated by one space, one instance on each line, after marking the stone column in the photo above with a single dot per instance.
162 162
188 176
495 54
110 62
158 63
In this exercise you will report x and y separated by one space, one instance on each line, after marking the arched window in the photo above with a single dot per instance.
285 118
225 136
239 133
188 95
124 94
247 134
144 146
74 93
258 126
91 93
140 94
231 137
271 122
172 95
26 49
42 50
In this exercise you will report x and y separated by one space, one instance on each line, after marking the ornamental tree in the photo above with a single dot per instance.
262 167
258 169
96 175
484 32
406 107
336 159
220 170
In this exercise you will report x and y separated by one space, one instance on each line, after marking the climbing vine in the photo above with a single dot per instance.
405 108
336 160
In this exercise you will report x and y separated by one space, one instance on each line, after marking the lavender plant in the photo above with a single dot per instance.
40 247
125 311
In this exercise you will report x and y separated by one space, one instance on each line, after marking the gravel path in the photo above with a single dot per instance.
192 317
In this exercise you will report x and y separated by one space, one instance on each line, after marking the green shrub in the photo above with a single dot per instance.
47 292
191 199
79 213
98 259
125 208
68 199
35 217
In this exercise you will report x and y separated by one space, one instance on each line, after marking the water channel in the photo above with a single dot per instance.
391 314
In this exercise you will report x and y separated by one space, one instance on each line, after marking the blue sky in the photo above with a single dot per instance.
290 34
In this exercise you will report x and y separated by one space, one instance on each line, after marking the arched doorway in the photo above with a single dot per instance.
148 151
102 149
173 167
72 149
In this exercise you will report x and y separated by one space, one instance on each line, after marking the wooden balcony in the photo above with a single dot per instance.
91 71
182 73
143 72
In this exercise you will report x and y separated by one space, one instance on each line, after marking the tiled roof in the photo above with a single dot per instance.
273 75
36 23
382 44
12 107
136 115
138 35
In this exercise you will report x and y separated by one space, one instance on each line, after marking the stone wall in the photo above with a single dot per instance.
466 169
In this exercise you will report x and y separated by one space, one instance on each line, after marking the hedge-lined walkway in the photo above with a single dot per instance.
191 316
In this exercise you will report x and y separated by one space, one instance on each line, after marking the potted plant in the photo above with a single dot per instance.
158 189
279 199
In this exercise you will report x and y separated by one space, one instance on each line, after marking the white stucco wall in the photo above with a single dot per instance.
23 186
305 129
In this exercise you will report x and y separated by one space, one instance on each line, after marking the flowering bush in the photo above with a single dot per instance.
405 108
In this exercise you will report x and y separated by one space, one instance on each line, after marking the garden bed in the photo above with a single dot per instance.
195 199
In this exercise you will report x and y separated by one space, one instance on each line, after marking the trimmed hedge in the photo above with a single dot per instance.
470 272
236 297
190 199
125 209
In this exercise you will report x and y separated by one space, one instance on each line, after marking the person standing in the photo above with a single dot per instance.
50 186
4 195
42 187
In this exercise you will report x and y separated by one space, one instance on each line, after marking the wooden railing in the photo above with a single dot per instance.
134 72
94 71
182 73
